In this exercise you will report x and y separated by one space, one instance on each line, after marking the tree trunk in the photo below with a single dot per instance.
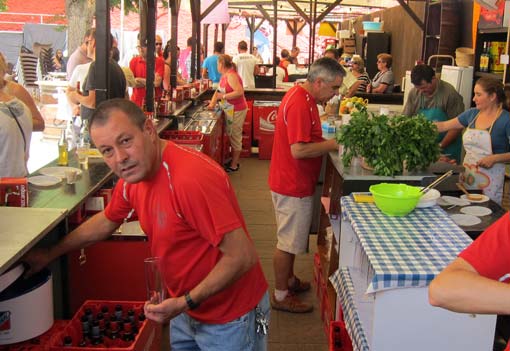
80 14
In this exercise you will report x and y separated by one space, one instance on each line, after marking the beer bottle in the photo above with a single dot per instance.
63 152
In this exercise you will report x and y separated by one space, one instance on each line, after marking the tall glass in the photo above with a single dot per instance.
154 279
82 151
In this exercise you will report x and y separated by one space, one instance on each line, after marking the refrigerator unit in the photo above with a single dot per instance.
462 80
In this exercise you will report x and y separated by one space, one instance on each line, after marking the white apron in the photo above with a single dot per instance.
477 143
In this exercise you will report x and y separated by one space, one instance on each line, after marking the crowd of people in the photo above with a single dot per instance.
212 271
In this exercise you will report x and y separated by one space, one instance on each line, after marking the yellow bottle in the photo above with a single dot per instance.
63 153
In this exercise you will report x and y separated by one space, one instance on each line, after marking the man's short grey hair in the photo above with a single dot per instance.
325 68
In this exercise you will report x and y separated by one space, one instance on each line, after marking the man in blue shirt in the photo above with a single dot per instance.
210 65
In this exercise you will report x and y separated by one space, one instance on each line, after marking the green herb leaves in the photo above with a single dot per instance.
387 143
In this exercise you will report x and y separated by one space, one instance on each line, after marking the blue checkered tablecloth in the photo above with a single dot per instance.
406 251
341 279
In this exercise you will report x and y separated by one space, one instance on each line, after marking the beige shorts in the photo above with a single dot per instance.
236 139
293 221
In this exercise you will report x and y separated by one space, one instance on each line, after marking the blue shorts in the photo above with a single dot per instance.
189 334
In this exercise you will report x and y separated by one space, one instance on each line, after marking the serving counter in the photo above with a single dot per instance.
339 181
386 265
22 228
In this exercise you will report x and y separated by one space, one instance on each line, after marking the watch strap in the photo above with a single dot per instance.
191 304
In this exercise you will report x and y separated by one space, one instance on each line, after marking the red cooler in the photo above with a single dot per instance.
264 121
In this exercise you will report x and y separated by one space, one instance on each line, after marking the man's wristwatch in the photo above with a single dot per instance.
191 304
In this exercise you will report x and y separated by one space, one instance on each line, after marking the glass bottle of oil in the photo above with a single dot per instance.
63 153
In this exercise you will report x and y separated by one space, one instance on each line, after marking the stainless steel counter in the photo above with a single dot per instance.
22 228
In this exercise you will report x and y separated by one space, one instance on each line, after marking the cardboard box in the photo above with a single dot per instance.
14 192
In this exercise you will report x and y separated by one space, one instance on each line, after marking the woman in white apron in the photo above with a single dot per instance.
486 139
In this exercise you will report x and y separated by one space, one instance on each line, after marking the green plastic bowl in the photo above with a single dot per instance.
395 199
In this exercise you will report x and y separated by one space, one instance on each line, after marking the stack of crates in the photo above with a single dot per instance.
192 139
339 339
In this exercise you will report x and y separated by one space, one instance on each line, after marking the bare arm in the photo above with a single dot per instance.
491 160
353 89
213 101
450 137
381 88
21 93
460 288
95 229
309 150
448 125
239 256
87 101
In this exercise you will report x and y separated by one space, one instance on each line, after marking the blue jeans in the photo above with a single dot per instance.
188 334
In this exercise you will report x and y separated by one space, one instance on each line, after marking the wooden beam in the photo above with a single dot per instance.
102 50
265 14
205 31
151 48
258 25
209 9
327 10
300 12
195 33
174 11
411 13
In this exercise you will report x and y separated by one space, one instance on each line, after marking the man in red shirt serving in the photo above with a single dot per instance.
188 209
295 167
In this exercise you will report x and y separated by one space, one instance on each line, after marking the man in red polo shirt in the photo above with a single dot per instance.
187 207
138 66
295 166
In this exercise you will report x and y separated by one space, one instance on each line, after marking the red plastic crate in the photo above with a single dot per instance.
148 337
39 343
183 137
339 339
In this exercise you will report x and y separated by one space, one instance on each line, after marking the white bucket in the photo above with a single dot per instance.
26 308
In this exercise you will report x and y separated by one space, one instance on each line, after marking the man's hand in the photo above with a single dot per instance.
166 310
37 259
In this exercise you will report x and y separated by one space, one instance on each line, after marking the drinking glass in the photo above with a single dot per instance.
82 151
154 280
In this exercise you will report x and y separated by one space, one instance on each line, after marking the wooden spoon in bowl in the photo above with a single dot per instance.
474 197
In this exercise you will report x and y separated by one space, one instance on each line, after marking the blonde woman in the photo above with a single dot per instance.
231 89
358 71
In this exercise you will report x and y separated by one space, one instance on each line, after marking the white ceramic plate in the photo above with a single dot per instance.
429 199
476 210
452 200
484 198
465 220
58 171
43 180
